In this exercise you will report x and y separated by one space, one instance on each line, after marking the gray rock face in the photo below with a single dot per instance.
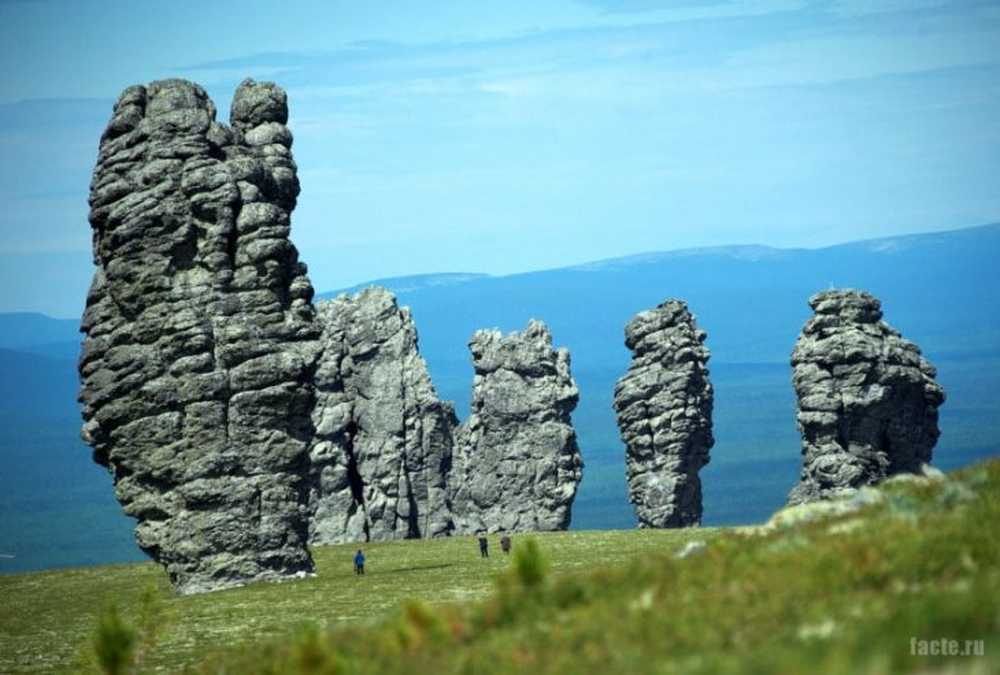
867 398
664 407
199 333
383 439
240 425
517 465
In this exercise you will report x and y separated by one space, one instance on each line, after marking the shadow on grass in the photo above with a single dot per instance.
419 568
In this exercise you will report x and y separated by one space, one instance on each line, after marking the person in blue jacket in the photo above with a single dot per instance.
359 562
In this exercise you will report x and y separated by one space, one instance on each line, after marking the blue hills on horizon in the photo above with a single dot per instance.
939 289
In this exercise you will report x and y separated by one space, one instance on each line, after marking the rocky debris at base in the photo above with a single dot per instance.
851 500
843 503
691 548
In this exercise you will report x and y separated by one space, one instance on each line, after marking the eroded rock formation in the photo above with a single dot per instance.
199 333
664 406
238 423
867 398
384 440
517 465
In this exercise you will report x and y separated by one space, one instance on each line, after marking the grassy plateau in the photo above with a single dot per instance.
882 584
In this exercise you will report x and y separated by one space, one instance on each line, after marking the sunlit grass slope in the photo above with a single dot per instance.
49 617
861 591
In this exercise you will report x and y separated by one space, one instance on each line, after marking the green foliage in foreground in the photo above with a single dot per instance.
842 594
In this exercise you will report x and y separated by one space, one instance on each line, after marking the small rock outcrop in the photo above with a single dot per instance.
664 407
199 333
867 399
383 446
517 465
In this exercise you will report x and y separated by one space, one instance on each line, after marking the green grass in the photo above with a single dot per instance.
49 617
839 594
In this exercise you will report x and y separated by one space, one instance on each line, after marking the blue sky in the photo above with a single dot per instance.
508 136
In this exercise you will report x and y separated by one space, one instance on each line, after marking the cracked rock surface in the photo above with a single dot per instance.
517 465
383 446
239 422
867 398
664 407
199 333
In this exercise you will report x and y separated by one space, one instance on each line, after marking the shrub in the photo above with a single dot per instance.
530 566
114 642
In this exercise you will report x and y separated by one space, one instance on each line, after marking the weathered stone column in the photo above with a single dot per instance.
867 398
517 464
383 447
199 333
664 405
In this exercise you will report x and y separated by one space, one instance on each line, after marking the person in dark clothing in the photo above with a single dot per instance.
359 562
484 546
505 543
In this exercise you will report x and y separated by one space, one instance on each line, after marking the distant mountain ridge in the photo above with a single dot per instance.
29 328
745 252
20 330
751 252
409 283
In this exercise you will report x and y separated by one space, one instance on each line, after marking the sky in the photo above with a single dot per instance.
503 137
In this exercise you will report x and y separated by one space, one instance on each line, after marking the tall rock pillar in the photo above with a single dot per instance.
383 447
199 333
664 406
867 397
517 464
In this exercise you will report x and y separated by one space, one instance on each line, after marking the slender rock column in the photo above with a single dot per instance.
664 406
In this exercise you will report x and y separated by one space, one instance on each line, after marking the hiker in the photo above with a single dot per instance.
484 546
359 563
505 544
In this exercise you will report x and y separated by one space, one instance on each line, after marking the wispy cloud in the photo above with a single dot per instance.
752 52
690 10
868 7
605 128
